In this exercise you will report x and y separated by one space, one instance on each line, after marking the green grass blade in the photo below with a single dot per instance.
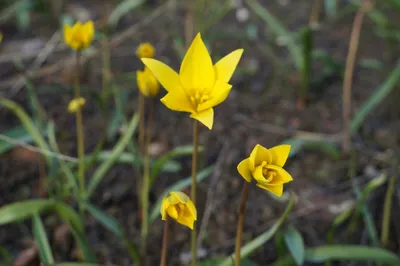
19 134
117 151
263 238
122 9
160 163
75 264
279 30
46 256
330 7
180 185
294 242
306 69
27 123
379 94
21 210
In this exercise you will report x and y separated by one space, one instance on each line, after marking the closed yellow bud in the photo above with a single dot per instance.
76 104
79 36
145 50
179 207
147 83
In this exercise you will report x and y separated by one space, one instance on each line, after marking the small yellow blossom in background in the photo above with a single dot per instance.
76 104
266 167
179 207
79 36
145 50
200 85
147 83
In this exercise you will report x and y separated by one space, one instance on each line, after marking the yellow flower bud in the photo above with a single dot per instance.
145 50
79 36
76 104
266 167
179 207
147 83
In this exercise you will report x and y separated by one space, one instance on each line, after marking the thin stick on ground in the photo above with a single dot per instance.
348 75
239 231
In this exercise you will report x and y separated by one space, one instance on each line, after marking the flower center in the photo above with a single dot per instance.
267 173
199 97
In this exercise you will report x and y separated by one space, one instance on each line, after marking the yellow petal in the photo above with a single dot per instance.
225 67
186 221
277 190
279 154
168 78
180 196
282 174
177 100
258 174
219 93
172 212
258 155
163 209
197 70
244 169
192 209
206 117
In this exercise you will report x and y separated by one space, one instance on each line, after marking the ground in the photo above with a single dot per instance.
260 109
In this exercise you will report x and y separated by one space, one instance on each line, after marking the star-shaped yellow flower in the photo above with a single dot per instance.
200 85
179 207
266 167
79 36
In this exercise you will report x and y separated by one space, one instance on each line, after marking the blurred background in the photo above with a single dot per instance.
321 75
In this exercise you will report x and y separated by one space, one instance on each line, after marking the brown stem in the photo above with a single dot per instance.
348 75
164 244
239 231
193 189
189 22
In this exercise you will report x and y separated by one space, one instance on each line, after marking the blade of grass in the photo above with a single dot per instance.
263 238
46 256
117 151
295 243
122 9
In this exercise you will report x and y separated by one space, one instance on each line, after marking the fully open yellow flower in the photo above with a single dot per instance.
266 167
147 83
79 36
200 85
145 50
76 104
179 207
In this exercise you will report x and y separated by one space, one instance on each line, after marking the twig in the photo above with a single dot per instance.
348 75
38 150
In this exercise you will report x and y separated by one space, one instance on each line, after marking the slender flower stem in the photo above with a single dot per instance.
193 189
239 231
141 123
79 131
163 261
146 176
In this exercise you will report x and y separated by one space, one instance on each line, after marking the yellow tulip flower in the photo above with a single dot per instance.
147 83
266 167
179 207
145 50
76 104
200 85
79 36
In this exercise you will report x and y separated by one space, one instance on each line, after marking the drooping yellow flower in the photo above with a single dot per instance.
79 36
147 83
266 167
76 104
145 50
200 85
179 207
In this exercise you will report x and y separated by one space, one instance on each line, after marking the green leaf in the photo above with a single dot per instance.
42 241
250 247
295 244
74 264
112 224
160 163
27 123
344 253
216 261
23 16
379 94
69 215
122 9
18 134
116 152
21 210
180 185
330 7
279 30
